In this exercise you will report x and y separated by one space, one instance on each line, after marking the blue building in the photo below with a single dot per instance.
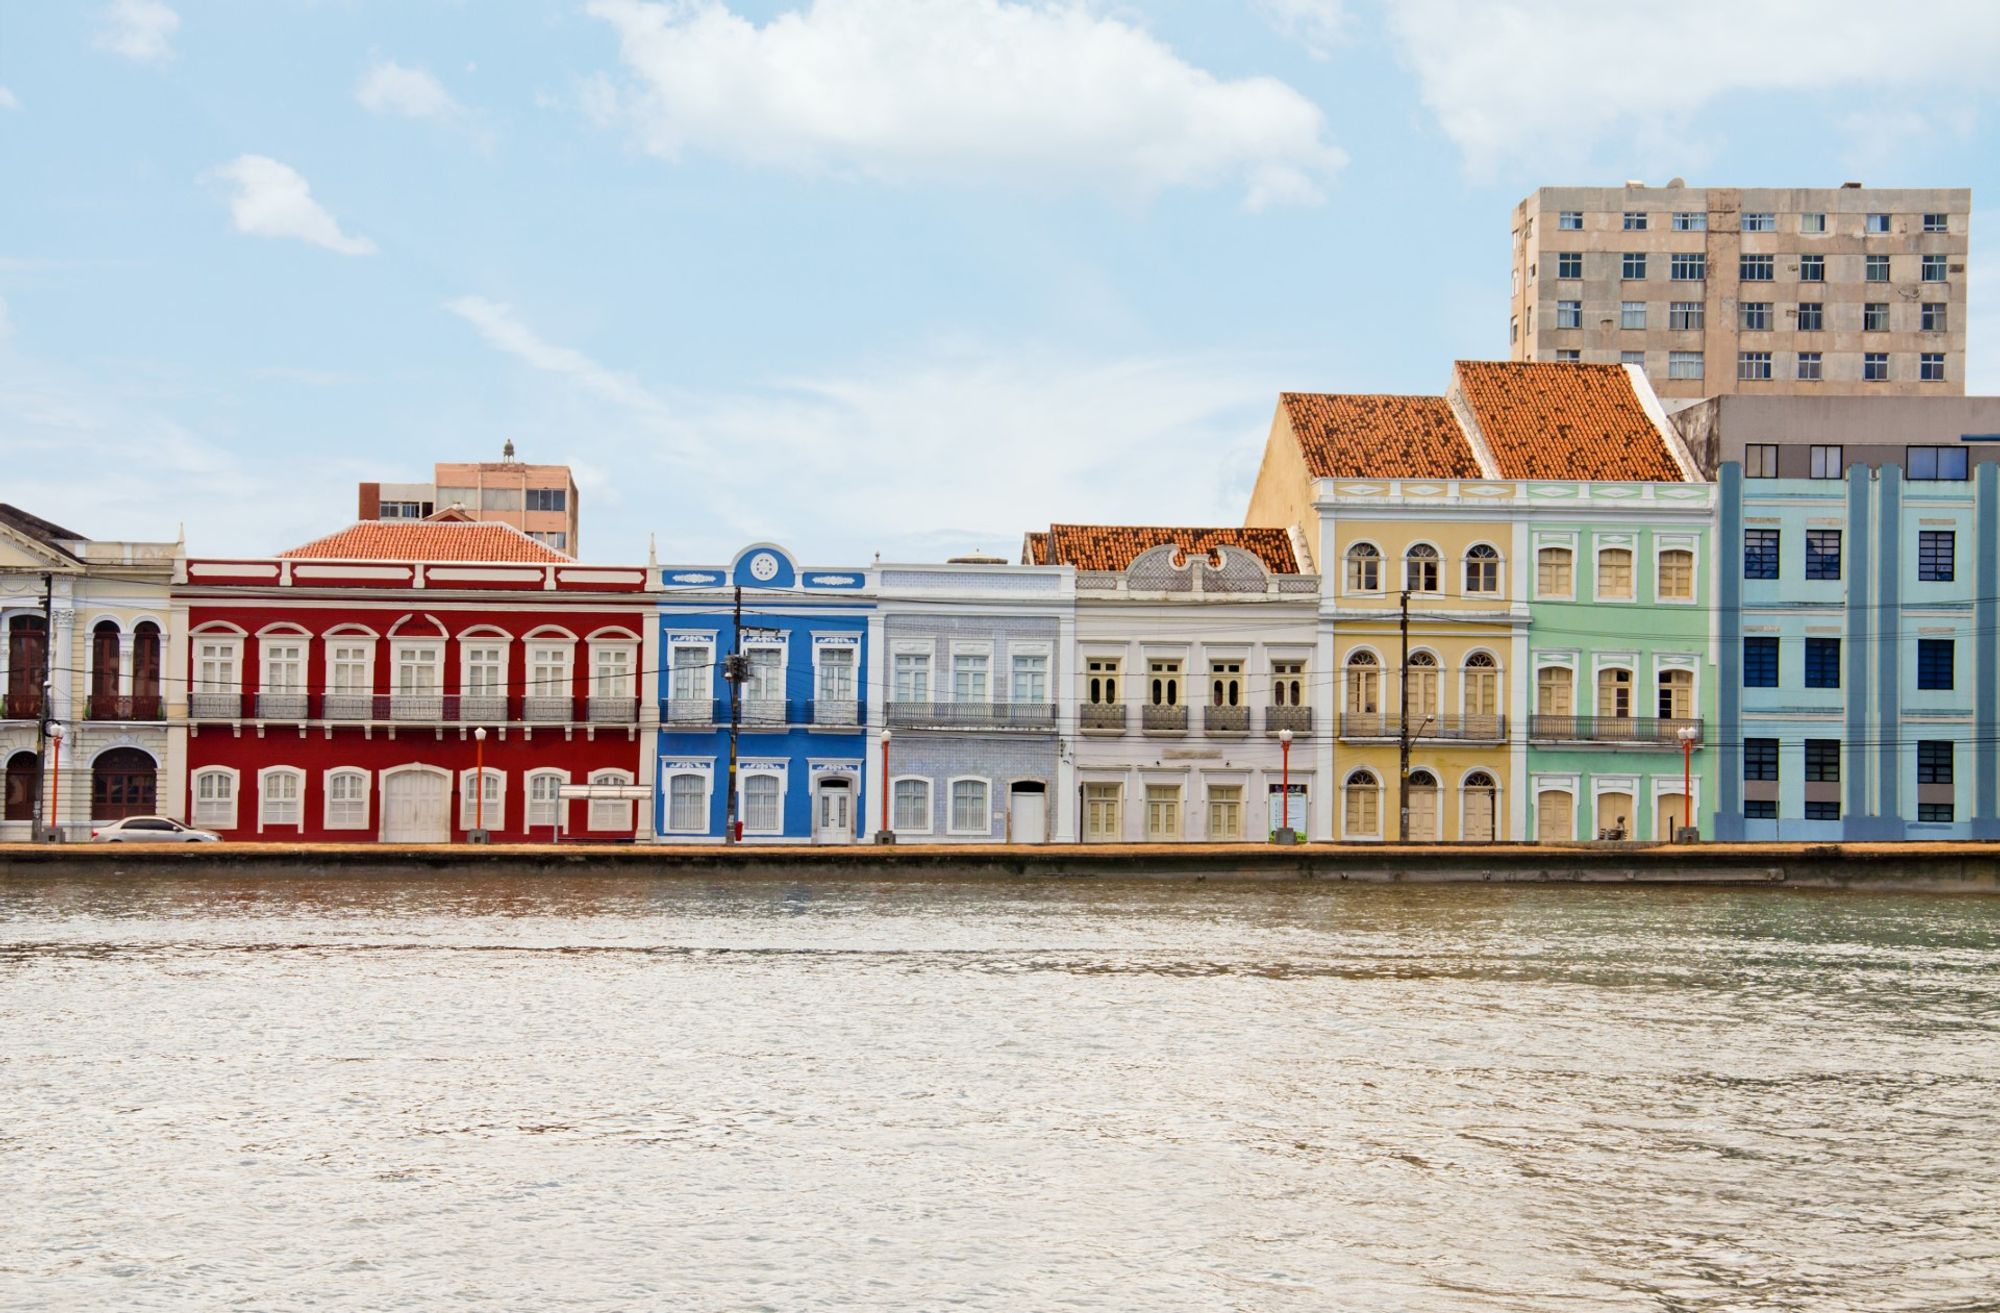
800 713
1859 610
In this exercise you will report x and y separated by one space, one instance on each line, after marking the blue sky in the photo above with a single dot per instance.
907 276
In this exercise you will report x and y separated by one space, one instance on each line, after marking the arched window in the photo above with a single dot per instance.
122 782
1420 569
146 704
1481 678
763 804
912 810
104 657
1677 575
1677 695
1364 569
1482 570
1553 572
215 798
347 799
1478 808
1614 573
615 813
281 792
545 804
1423 806
1421 690
1364 685
489 811
971 807
24 780
1614 693
687 803
27 666
1363 805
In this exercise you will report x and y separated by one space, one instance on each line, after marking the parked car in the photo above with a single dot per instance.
150 829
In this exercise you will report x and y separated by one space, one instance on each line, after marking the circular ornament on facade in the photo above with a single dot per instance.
764 566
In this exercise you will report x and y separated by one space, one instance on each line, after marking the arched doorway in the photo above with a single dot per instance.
416 806
24 781
122 783
1479 807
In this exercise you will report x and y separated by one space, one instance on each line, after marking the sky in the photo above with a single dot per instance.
907 277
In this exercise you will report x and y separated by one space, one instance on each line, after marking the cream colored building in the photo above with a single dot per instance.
94 679
1760 291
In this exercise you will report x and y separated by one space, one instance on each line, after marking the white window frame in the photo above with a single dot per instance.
337 643
895 805
1631 314
1692 546
852 652
701 674
616 815
1499 563
530 821
220 819
1043 652
701 825
228 653
980 652
298 802
332 773
951 804
1597 593
626 653
533 665
496 800
267 644
1555 544
921 659
432 649
471 643
1179 829
1348 561
743 799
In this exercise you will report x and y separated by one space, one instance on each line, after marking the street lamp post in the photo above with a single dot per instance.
1285 833
1689 735
55 798
885 834
478 834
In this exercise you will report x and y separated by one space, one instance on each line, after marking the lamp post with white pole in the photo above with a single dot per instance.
1689 736
1285 831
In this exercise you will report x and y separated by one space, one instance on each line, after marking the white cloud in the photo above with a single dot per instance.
7 100
502 328
140 30
1518 80
271 200
1318 25
387 87
1049 93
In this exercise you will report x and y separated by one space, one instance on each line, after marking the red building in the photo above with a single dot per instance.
336 692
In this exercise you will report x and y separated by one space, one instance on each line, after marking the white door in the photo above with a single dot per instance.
415 808
836 812
1030 813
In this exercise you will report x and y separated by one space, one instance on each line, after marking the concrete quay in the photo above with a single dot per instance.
1958 867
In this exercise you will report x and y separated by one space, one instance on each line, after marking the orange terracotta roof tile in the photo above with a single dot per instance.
428 540
1375 436
1113 546
1544 420
1035 550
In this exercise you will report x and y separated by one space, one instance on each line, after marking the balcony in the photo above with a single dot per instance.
546 709
416 706
215 706
1428 728
477 708
1225 720
972 715
835 713
695 713
350 706
1154 719
1638 731
23 706
117 706
613 711
1103 716
1299 720
763 713
281 706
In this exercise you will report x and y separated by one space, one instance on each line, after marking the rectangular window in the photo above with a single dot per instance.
836 673
968 676
1676 576
1759 223
485 670
1822 553
1760 553
687 803
1826 462
913 677
1760 809
1031 678
1877 269
284 668
1288 683
1937 555
1632 358
1569 314
1875 366
1569 264
1102 688
1935 223
912 805
1932 318
1225 811
1822 761
1809 367
971 810
690 675
1934 761
1225 683
1631 314
548 499
1753 365
1552 572
1633 266
1760 460
610 672
1760 760
1876 223
1635 221
1102 804
347 668
1165 683
1945 464
1933 269
346 800
279 799
1812 223
1569 221
1812 316
1822 663
1754 316
1760 662
1932 812
1686 316
1822 811
1163 812
417 670
766 684
1756 268
1614 573
1875 317
1684 364
1568 356
1935 664
763 804
1930 366
1688 266
1812 268
1690 221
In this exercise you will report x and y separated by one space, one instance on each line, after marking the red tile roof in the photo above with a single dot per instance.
1544 420
429 540
1373 436
1113 546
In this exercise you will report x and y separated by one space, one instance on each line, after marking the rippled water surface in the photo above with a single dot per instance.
635 1094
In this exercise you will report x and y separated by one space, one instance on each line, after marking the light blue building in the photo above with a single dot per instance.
798 718
1858 609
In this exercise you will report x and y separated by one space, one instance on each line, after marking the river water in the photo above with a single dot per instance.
636 1094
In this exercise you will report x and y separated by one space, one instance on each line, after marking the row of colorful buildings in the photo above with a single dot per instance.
1532 607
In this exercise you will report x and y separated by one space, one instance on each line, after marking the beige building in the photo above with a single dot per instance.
1760 291
539 500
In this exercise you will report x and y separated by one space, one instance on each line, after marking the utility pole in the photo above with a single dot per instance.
1403 731
735 668
48 707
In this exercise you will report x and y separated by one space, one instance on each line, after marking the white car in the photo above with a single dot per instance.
150 829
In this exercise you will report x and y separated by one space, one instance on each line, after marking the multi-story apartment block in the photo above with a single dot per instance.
1860 685
1776 291
539 500
973 660
93 676
1196 660
1456 529
798 718
415 683
1820 437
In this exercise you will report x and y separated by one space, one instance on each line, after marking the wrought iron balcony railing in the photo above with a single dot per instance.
284 705
972 715
1388 725
1102 715
1299 720
1644 731
1225 720
613 711
692 712
548 708
125 706
835 713
215 706
1155 719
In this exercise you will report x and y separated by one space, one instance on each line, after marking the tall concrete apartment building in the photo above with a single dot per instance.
539 500
1846 290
